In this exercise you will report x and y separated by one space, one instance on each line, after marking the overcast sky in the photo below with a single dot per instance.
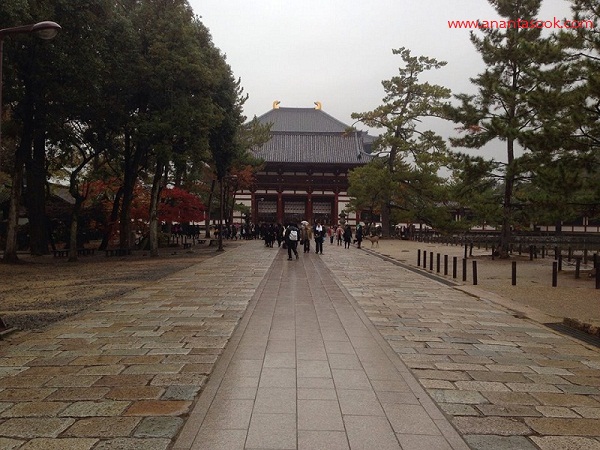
338 51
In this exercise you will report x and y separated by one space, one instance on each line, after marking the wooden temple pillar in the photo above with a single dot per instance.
335 210
254 211
280 214
309 206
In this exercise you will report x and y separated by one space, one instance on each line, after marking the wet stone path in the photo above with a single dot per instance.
505 382
125 375
341 350
307 370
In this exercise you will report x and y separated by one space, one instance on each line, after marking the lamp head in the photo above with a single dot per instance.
46 30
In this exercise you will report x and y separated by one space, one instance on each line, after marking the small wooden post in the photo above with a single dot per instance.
560 263
474 272
419 258
554 273
464 269
454 264
445 264
597 269
514 273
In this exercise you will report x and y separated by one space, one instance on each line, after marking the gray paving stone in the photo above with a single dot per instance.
588 412
500 426
511 398
509 410
180 392
455 396
102 427
565 443
560 427
133 444
91 409
557 411
478 442
29 428
10 444
454 409
487 386
58 444
158 427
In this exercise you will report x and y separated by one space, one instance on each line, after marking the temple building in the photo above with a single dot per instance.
306 165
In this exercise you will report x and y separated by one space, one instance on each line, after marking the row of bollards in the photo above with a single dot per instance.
556 267
438 265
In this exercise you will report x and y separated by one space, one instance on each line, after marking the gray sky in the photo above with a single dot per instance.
338 51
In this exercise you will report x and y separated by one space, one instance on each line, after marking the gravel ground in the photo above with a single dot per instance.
45 289
572 298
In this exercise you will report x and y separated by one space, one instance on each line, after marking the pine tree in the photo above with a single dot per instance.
407 102
515 59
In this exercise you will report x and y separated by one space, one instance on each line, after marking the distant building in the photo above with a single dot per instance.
307 160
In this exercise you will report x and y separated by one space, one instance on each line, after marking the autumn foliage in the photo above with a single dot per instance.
176 204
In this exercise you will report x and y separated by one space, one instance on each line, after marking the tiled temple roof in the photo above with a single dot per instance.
309 135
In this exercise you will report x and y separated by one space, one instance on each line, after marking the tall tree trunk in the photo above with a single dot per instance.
509 181
133 158
36 195
386 210
10 251
112 220
24 148
154 198
74 228
386 213
209 209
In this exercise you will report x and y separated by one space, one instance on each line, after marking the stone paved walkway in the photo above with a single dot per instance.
314 371
505 382
126 375
307 370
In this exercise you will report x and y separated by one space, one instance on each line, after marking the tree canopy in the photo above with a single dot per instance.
413 155
129 90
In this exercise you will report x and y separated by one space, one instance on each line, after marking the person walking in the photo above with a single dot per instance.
339 234
347 236
305 236
292 234
359 235
319 233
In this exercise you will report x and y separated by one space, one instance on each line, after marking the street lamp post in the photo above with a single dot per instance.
45 30
224 179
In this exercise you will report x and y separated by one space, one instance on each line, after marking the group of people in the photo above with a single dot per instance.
319 232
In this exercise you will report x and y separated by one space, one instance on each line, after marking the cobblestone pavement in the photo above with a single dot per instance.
127 375
505 382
